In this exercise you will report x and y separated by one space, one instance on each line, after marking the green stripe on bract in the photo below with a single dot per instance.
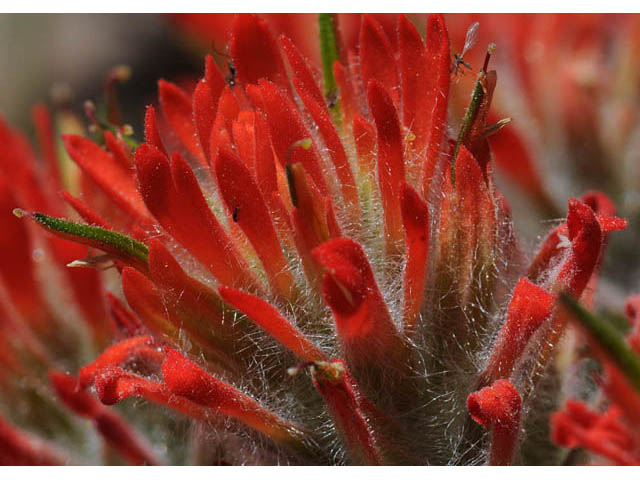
127 245
329 53
608 339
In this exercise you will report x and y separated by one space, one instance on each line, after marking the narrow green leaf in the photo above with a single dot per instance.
469 117
607 339
329 53
120 246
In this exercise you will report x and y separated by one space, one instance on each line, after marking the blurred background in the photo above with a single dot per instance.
44 53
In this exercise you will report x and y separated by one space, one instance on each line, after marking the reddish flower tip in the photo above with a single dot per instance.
497 408
529 307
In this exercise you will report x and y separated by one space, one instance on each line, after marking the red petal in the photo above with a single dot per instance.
364 324
436 95
475 213
415 217
176 106
302 71
144 299
412 71
255 52
244 139
338 156
265 166
115 384
191 306
214 78
586 244
347 95
87 214
498 407
185 378
174 197
287 128
271 320
391 174
121 154
530 306
332 141
243 198
364 136
151 133
118 183
204 114
376 57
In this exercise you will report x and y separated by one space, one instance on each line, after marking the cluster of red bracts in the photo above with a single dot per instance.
291 227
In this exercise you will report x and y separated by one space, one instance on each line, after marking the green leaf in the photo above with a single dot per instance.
469 117
607 339
120 246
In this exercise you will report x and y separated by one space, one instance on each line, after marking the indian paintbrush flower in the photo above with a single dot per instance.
301 269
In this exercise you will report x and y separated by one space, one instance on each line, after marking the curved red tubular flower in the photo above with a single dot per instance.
19 448
116 355
113 428
364 325
185 378
602 433
497 408
271 320
530 306
586 240
115 384
391 174
352 412
415 217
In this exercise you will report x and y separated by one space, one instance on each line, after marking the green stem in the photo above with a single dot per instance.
329 53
